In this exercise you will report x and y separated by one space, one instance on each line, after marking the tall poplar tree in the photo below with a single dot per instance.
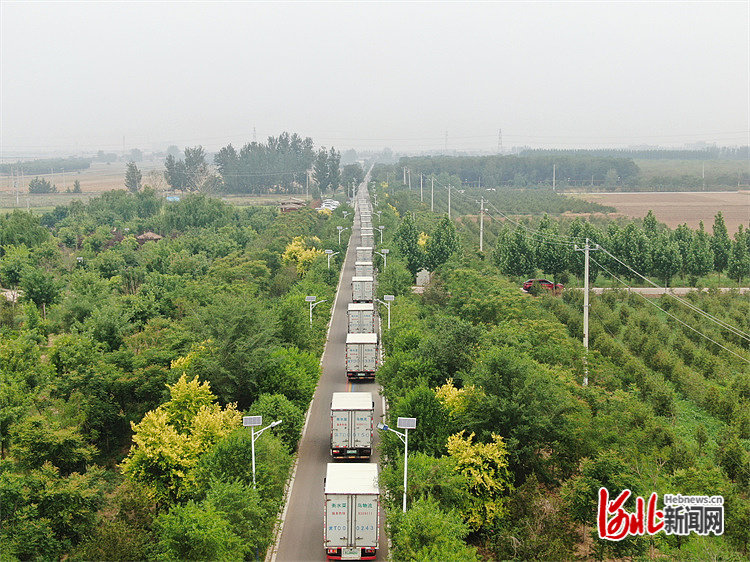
721 244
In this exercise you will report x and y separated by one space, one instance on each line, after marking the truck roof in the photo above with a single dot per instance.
363 262
361 306
362 338
364 248
351 401
352 479
363 278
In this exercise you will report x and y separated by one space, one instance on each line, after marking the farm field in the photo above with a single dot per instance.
674 208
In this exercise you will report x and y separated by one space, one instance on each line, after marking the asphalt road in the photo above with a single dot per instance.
302 527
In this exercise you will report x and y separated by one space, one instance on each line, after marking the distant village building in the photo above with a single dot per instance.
292 204
148 237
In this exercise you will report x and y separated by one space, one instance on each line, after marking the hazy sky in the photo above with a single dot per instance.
83 75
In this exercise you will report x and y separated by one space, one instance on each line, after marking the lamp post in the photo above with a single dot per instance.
380 229
379 213
406 424
384 255
329 255
313 303
341 229
387 300
253 422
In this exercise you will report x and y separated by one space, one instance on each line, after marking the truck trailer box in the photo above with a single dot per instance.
361 318
363 268
362 288
361 356
351 514
364 253
352 416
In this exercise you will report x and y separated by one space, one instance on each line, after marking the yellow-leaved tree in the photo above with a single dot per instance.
457 400
169 440
301 254
485 467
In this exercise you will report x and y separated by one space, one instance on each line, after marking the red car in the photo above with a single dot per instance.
549 285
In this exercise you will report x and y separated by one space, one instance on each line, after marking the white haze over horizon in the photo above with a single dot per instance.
84 76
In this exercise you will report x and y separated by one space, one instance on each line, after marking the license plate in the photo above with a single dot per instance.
351 553
351 452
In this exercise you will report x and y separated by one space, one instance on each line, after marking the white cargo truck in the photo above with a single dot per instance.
362 288
361 318
351 425
368 238
351 515
361 356
364 253
363 268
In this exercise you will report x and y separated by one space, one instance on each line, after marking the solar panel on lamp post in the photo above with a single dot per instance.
253 422
329 255
406 424
313 303
384 254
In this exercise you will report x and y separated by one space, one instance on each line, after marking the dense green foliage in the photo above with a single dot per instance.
278 166
665 410
46 166
128 362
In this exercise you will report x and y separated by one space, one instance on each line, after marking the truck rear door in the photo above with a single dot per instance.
366 521
362 429
337 517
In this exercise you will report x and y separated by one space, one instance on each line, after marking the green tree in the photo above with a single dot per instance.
198 532
77 186
321 171
40 288
12 265
552 256
738 266
442 244
175 173
133 177
41 185
683 235
650 224
278 407
37 440
426 532
720 243
516 254
406 239
701 257
666 258
195 167
334 171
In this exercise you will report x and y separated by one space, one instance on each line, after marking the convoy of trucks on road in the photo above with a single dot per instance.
352 496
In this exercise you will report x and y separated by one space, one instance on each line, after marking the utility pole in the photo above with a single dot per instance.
432 195
554 175
404 175
307 183
446 140
499 141
449 200
408 176
421 200
481 225
586 305
704 176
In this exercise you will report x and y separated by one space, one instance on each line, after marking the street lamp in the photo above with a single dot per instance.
312 300
341 229
379 213
329 254
384 255
406 424
387 300
381 228
253 422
